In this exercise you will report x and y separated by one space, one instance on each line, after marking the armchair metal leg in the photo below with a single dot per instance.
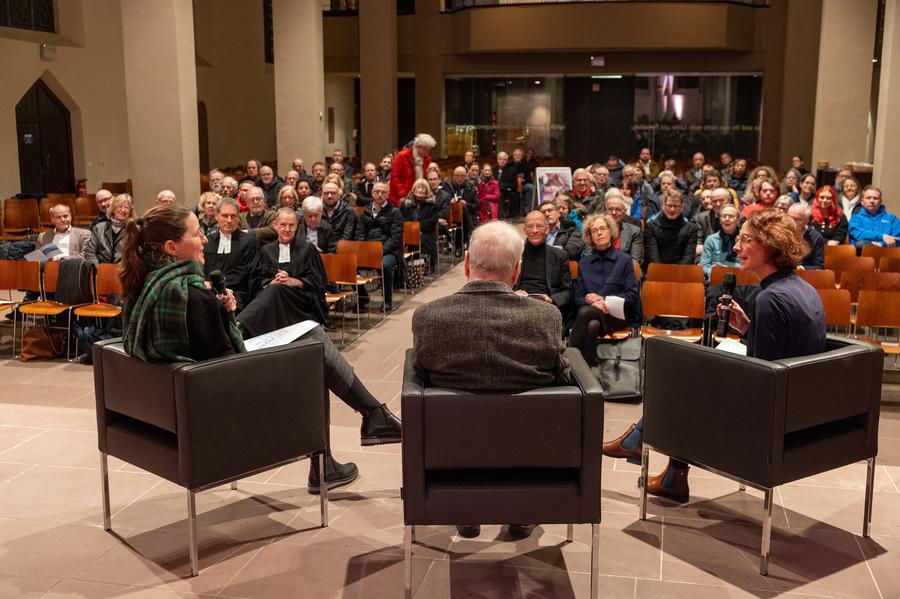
407 562
104 490
192 532
323 491
870 492
412 533
645 462
742 487
766 533
234 485
570 532
595 561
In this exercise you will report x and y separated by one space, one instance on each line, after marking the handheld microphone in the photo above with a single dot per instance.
217 280
728 285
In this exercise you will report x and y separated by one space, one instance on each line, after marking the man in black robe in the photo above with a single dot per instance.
289 279
232 251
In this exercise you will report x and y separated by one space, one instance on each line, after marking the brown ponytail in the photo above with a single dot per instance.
144 240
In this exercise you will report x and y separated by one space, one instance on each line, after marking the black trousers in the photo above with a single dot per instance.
590 324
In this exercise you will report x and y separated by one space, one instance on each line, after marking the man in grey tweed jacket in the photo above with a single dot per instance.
485 337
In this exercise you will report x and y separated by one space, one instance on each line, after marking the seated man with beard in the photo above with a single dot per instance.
231 251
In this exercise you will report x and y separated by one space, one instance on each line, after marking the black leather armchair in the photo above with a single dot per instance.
531 457
204 424
763 423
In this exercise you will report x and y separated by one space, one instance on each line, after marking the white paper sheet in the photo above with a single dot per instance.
282 336
616 306
733 346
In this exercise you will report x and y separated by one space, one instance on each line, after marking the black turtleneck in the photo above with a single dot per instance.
534 269
667 243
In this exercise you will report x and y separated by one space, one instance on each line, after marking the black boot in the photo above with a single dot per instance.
336 474
380 427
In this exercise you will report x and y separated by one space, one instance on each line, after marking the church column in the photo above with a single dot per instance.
887 128
299 82
161 97
429 74
378 78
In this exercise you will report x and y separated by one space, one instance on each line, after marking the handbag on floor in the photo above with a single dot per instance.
42 343
415 273
621 369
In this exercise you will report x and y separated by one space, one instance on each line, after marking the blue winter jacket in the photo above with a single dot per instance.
866 228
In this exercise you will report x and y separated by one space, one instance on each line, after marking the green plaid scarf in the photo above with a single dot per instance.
157 329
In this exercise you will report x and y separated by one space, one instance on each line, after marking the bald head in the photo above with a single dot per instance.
459 175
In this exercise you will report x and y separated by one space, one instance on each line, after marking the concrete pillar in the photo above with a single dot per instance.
429 74
378 78
887 128
299 82
844 86
161 97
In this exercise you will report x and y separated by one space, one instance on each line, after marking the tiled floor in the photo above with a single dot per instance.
262 540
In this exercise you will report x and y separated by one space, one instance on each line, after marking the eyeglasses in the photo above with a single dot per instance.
601 229
744 239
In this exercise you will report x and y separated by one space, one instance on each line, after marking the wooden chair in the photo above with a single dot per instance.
573 269
455 226
85 210
340 269
880 309
369 256
820 279
20 219
16 275
412 238
45 307
840 251
359 209
836 303
638 273
718 272
889 264
878 252
839 265
675 273
665 298
106 283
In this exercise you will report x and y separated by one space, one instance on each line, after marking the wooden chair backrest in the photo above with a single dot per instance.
61 198
673 299
638 273
675 273
359 209
839 265
108 282
840 251
855 281
573 269
19 274
836 303
718 272
820 279
889 264
19 215
878 252
878 309
456 214
340 269
368 253
51 276
85 207
412 233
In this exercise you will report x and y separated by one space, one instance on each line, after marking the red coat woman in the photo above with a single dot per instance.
489 194
403 170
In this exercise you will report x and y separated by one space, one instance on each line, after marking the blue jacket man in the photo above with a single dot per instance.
873 225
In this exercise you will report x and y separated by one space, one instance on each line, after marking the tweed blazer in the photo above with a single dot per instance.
484 337
78 240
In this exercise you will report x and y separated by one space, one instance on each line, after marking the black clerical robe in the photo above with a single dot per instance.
237 265
276 306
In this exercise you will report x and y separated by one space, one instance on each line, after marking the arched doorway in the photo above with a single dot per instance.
44 130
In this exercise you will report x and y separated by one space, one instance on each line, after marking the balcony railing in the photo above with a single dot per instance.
455 5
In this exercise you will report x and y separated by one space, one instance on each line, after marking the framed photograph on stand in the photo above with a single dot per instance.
552 180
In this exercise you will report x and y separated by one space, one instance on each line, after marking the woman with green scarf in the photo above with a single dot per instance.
172 315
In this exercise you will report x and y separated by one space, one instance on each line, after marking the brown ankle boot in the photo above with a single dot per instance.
679 492
614 448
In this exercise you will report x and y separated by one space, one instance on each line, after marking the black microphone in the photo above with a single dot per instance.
728 285
217 280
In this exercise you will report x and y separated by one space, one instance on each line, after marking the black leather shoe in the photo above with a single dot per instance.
520 531
468 531
380 427
336 474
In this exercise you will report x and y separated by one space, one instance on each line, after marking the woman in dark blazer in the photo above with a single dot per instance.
421 206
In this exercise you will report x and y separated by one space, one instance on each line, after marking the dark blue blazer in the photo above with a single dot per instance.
607 273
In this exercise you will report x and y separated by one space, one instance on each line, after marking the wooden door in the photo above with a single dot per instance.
44 131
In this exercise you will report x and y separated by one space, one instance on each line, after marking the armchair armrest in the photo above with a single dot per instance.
413 409
591 433
241 412
716 409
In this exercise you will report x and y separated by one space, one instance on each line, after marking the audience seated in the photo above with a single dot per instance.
271 184
363 189
318 176
461 190
488 195
582 192
807 189
670 238
718 248
107 237
421 206
337 213
526 174
544 274
216 179
259 218
166 196
206 212
571 210
737 178
815 258
70 240
409 165
337 157
644 203
694 176
873 225
850 199
315 230
562 232
381 221
827 217
630 239
102 198
768 193
647 165
252 170
601 179
231 251
603 271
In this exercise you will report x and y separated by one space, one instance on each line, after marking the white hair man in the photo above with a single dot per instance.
70 240
409 166
484 337
815 259
314 228
215 180
166 196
